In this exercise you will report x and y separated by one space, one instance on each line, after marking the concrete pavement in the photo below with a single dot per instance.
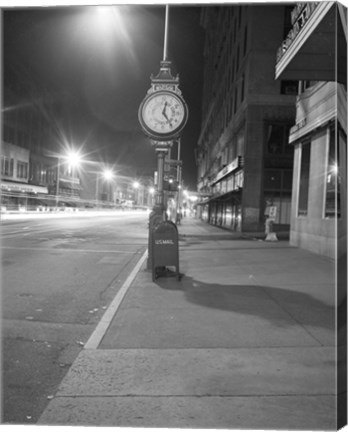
246 340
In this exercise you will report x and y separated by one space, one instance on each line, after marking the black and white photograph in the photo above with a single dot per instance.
174 215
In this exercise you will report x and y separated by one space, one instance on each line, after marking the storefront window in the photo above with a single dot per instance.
333 202
304 180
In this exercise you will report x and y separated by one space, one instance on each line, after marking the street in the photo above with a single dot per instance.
59 275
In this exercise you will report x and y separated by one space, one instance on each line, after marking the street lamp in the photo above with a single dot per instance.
107 175
151 194
73 159
136 186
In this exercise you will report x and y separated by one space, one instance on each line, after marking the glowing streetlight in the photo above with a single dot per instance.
73 158
108 175
136 186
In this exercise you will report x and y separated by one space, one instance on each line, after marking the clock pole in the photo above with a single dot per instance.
166 34
162 115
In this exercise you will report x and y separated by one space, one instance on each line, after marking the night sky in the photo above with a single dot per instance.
97 62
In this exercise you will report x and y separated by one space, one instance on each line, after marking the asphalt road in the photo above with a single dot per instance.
59 274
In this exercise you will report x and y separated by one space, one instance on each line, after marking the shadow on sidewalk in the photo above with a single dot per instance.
283 306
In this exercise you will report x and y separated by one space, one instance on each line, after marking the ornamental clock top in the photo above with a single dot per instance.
163 113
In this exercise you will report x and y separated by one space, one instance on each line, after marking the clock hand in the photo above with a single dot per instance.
164 112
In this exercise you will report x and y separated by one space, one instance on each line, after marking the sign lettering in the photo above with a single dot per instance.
164 242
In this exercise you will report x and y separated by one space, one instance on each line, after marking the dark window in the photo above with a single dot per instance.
333 201
289 87
304 180
277 140
272 180
287 180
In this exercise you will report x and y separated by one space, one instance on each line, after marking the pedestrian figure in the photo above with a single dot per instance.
178 216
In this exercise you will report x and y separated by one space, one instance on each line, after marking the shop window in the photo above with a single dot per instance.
333 201
304 180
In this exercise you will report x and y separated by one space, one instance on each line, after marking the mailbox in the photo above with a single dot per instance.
165 249
154 220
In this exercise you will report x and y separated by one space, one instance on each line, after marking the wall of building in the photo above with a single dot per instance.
314 231
15 155
318 109
240 96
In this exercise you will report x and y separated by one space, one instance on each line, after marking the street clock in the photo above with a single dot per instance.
163 115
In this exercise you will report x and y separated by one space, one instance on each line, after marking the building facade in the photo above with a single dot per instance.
30 138
315 54
243 157
16 191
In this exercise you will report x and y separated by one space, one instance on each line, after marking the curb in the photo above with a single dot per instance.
103 325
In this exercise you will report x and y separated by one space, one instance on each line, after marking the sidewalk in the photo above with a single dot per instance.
244 341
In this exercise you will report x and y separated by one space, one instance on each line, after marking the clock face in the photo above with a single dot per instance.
163 114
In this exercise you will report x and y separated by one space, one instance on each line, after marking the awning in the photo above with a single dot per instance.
69 185
222 198
317 51
7 186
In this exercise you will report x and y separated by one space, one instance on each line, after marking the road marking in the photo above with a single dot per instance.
103 325
67 250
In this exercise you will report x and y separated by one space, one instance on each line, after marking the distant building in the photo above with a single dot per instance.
315 53
29 127
243 157
16 191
